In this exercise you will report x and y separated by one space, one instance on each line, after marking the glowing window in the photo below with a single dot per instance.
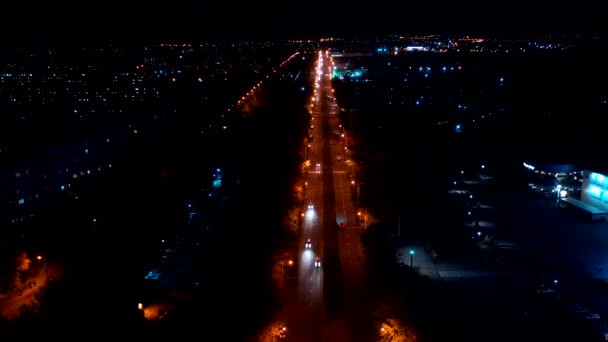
595 191
597 178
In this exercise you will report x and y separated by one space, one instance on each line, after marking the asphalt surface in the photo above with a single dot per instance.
328 304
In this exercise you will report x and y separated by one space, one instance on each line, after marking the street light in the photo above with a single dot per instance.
412 258
282 263
46 270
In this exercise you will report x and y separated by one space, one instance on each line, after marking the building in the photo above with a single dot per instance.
594 190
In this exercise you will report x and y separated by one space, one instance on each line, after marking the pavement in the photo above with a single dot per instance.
421 261
445 270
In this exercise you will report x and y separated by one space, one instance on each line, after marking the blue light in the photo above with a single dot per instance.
218 170
595 191
597 178
62 187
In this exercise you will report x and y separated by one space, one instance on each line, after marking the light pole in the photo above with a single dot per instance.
360 214
46 270
412 258
290 263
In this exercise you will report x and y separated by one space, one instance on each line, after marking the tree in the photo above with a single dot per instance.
22 264
292 220
392 330
298 190
366 218
276 331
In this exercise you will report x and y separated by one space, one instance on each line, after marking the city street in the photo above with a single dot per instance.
326 305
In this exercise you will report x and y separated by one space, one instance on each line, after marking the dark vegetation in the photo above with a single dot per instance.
143 199
407 163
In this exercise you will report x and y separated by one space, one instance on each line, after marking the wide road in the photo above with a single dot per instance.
330 300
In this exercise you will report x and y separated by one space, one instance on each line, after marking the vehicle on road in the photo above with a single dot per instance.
318 262
311 206
342 225
308 244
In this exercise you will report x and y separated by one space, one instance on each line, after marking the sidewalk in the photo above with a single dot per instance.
421 260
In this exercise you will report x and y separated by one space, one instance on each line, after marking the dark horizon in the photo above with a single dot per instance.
60 24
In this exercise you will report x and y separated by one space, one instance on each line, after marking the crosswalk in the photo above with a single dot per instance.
471 274
463 274
327 171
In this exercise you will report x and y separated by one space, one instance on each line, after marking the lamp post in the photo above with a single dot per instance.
290 263
412 258
360 214
46 270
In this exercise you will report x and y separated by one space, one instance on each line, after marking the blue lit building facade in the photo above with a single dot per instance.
595 189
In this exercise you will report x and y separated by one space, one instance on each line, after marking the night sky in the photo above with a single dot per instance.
128 20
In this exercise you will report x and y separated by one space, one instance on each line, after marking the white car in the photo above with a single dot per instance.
308 244
318 262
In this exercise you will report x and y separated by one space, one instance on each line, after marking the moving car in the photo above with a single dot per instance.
308 244
318 262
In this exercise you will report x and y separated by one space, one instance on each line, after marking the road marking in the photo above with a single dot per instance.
324 171
462 274
475 274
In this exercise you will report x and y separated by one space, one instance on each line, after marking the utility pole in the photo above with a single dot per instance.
411 258
399 226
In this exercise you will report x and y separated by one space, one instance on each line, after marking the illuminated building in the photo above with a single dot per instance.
594 190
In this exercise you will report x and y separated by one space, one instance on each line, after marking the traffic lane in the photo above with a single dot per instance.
305 321
312 228
354 290
333 284
305 324
350 243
